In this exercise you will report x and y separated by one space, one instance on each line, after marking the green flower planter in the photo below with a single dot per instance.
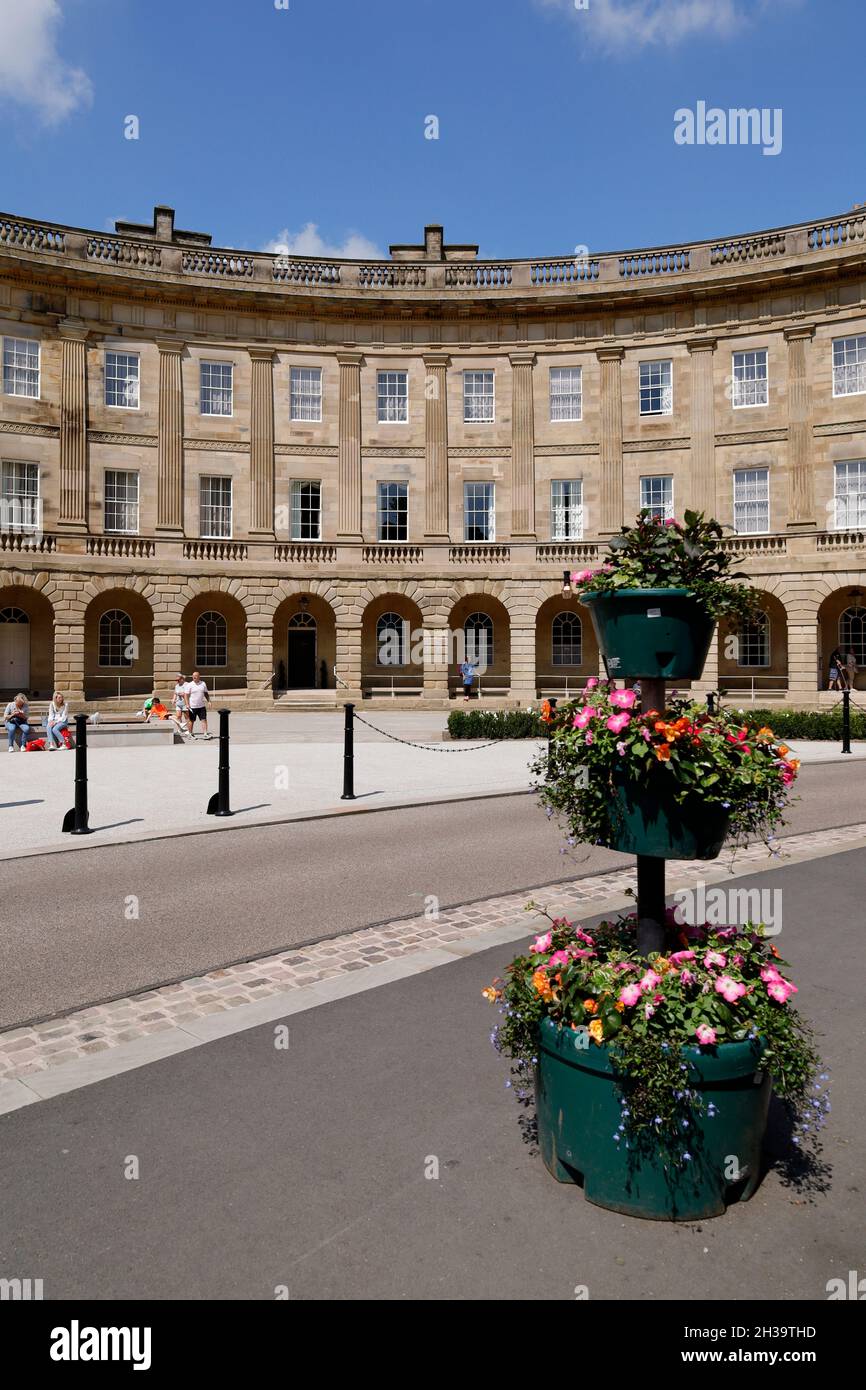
651 633
579 1111
647 820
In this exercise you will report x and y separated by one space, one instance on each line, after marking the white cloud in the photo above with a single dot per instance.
32 72
308 242
624 26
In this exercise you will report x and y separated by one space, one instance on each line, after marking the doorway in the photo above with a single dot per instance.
302 652
14 650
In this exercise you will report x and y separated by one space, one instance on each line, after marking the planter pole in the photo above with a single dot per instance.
651 870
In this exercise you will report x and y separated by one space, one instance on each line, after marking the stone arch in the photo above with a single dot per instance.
296 666
842 597
289 590
27 653
739 651
557 676
232 675
392 598
99 584
479 598
133 673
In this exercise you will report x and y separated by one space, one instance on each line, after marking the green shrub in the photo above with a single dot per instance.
492 724
825 725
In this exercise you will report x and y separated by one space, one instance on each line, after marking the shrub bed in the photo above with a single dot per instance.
823 725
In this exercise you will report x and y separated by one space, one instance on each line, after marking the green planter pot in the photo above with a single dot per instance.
647 820
579 1110
651 633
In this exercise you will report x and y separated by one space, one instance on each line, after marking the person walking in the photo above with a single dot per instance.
837 666
16 717
467 675
851 668
198 696
181 702
58 719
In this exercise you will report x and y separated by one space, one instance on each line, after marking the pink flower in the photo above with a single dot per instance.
687 977
559 958
617 722
648 1011
620 748
731 990
580 576
582 954
769 974
650 980
542 943
584 936
630 995
715 958
581 720
623 699
590 737
679 956
670 522
646 735
706 1036
592 683
781 989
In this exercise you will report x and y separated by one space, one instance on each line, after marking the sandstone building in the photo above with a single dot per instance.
264 467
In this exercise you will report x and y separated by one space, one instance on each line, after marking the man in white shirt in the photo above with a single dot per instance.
197 696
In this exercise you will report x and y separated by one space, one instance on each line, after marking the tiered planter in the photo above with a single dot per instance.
662 634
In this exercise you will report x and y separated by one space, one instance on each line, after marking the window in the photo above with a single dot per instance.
121 379
567 640
21 367
121 502
216 388
392 511
656 390
852 634
657 497
215 508
391 632
306 393
478 639
566 397
306 511
850 495
392 391
849 366
753 642
479 515
211 640
20 508
115 638
566 509
478 398
751 501
749 379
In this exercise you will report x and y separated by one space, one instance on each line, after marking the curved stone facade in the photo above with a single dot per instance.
263 466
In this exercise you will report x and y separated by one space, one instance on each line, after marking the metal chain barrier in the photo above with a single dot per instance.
410 743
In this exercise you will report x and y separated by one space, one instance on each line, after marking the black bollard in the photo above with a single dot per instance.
349 755
76 820
550 765
219 802
846 721
711 702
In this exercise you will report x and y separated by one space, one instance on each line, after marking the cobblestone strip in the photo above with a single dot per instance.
44 1045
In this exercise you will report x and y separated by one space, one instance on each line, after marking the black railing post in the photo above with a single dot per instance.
349 755
219 802
846 721
550 763
76 820
711 702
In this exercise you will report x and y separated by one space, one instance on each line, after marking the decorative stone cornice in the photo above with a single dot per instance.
610 354
21 427
650 446
702 344
801 330
142 441
753 437
217 446
839 427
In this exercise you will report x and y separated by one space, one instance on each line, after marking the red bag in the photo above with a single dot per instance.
34 745
66 736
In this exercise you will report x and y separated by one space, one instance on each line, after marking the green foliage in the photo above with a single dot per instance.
491 724
806 724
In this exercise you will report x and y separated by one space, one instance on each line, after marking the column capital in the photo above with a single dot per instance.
260 354
702 344
610 354
73 330
170 345
350 359
522 359
436 359
801 331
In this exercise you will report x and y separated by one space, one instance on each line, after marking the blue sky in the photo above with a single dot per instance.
305 126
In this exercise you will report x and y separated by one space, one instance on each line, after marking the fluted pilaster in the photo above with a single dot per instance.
349 503
801 486
522 447
436 448
73 427
702 492
262 443
169 485
610 445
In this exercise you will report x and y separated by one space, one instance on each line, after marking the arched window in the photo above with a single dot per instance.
478 631
13 615
852 634
302 620
567 640
753 642
116 643
391 640
211 640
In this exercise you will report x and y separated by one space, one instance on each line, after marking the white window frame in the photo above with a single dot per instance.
212 639
855 342
116 378
744 385
392 396
13 349
751 531
489 511
383 511
117 643
557 650
207 365
756 665
134 503
653 369
211 507
569 512
473 377
574 394
20 504
302 377
663 508
842 499
385 623
298 510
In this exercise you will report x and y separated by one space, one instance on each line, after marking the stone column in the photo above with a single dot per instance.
702 492
437 641
69 661
436 526
260 660
167 655
522 447
610 450
803 656
348 662
801 487
349 469
73 427
523 686
169 484
710 675
262 444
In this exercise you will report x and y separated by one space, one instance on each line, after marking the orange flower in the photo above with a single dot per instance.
663 753
794 764
663 965
542 985
765 733
783 750
619 1006
491 994
545 711
596 1032
591 1006
660 726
